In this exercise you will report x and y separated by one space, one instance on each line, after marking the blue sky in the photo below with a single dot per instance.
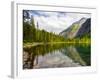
56 21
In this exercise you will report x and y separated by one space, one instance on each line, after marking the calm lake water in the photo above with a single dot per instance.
56 55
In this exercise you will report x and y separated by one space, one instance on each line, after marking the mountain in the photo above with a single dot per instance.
85 29
77 29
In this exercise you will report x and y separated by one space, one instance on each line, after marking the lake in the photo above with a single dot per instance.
56 56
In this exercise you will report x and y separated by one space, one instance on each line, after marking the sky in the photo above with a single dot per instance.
56 22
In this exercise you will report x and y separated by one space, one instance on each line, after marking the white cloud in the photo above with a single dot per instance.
55 21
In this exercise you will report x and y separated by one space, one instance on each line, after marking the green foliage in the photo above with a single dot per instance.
75 27
32 34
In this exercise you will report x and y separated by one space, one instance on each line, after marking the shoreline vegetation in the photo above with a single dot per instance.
28 45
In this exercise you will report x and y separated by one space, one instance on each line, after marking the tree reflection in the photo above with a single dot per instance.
78 53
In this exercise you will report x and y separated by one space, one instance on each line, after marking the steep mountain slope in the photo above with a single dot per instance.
77 29
85 29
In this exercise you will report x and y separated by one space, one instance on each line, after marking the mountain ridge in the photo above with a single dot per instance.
77 28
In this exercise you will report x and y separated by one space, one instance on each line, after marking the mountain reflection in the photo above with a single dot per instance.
56 55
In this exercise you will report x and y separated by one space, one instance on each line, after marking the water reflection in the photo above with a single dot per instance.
56 55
